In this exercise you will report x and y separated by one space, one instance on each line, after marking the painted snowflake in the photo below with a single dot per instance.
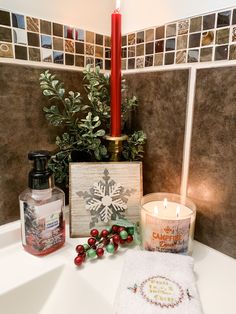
106 200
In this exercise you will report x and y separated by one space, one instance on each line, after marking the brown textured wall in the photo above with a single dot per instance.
212 177
23 127
161 114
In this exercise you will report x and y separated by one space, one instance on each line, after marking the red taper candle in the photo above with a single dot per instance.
116 73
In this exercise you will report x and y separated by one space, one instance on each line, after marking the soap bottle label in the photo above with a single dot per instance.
43 225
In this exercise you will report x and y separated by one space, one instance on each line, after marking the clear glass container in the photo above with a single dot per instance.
167 223
42 221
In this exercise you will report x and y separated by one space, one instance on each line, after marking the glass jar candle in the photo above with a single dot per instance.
167 223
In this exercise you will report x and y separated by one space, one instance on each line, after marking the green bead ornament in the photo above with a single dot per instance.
86 246
124 235
110 248
91 253
130 230
108 229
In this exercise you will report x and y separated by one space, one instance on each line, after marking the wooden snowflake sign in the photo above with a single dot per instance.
100 193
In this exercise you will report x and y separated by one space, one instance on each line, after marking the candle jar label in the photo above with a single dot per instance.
166 235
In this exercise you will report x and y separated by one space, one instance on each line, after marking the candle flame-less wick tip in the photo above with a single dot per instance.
177 211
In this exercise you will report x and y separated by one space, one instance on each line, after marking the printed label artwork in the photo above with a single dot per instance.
106 200
39 231
167 235
160 291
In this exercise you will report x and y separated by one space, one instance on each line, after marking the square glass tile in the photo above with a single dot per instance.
160 32
99 39
58 57
69 46
20 36
79 34
79 61
140 37
140 50
149 35
46 55
149 48
170 44
90 37
107 64
5 34
148 61
57 29
159 46
182 42
171 30
196 24
209 21
124 41
183 27
193 55
98 52
79 48
221 52
206 54
32 24
33 39
169 58
69 59
20 52
131 63
5 18
222 36
58 43
45 27
194 40
6 50
223 18
18 20
140 62
158 59
46 41
131 39
207 38
234 17
68 32
99 63
181 56
131 51
34 54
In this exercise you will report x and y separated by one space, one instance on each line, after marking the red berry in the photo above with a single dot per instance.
91 241
84 256
94 233
79 249
122 241
121 229
78 260
129 238
100 252
116 246
116 238
104 233
115 228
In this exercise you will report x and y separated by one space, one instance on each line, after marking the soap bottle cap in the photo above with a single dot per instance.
40 177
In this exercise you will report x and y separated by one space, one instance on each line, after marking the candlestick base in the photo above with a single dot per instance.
115 146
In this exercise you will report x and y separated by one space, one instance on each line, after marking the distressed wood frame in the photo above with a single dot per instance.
113 188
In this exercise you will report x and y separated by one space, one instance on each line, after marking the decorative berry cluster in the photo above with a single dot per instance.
108 239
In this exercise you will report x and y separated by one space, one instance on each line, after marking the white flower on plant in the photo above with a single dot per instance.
106 200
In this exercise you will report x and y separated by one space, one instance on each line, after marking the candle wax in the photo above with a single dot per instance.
169 212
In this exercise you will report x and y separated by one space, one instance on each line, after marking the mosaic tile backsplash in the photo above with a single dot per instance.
209 37
29 38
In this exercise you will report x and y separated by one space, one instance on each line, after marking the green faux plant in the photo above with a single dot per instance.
83 121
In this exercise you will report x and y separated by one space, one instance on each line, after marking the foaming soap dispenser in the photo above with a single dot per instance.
41 209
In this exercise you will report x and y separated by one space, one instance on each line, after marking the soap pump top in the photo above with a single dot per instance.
40 177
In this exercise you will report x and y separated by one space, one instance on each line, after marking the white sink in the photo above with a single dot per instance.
61 291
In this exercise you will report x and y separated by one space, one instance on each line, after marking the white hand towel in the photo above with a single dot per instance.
154 282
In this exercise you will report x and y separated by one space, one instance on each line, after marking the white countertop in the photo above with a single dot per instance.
215 275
